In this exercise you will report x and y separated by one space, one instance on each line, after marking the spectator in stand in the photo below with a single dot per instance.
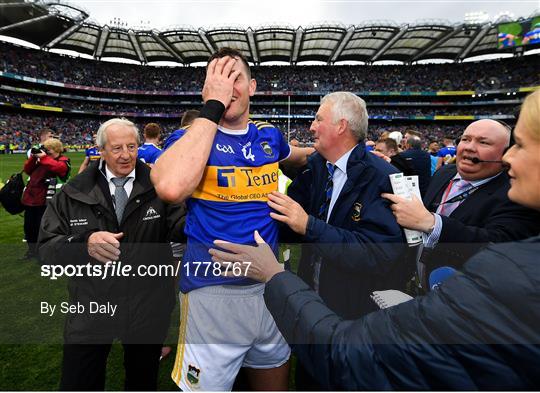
150 151
91 155
419 160
44 166
389 151
447 153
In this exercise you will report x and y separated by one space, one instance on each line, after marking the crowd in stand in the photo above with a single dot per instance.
508 73
76 132
16 129
91 106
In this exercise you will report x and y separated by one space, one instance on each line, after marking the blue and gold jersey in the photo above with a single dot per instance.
93 153
230 201
149 153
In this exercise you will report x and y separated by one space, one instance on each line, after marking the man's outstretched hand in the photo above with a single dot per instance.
258 262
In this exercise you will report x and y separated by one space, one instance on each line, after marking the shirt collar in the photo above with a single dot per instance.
233 132
479 182
341 163
109 175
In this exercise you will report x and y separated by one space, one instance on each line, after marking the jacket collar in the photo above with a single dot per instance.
84 187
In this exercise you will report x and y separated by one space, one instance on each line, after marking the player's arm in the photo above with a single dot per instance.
299 155
84 164
179 169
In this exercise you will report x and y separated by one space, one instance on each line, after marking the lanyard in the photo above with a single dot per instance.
457 198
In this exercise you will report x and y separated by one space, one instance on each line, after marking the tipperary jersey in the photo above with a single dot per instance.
149 153
230 201
447 153
93 153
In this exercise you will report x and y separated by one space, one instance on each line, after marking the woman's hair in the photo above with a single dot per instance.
530 114
53 144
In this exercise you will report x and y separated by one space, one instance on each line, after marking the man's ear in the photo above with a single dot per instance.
252 87
342 126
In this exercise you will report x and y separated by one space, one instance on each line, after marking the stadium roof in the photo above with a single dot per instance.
58 25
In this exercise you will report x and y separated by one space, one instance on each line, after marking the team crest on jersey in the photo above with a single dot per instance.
267 149
357 208
193 374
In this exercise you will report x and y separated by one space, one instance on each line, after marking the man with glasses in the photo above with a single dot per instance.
109 215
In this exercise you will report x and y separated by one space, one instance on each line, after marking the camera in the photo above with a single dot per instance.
38 150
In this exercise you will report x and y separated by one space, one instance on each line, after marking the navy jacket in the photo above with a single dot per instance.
479 330
361 243
421 163
487 215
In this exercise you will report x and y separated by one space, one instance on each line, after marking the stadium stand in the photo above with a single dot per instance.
73 95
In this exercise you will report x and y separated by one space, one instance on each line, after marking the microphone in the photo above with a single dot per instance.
440 275
476 160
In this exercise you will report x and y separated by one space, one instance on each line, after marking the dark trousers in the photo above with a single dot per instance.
84 365
303 380
32 222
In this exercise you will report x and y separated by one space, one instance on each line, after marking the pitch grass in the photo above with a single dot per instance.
36 365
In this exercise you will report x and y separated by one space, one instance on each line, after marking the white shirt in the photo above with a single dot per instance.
128 186
339 179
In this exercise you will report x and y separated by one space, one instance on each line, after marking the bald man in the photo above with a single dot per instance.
466 205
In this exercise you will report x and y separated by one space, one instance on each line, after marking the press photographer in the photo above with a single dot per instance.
46 167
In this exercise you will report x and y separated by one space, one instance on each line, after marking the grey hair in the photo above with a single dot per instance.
101 138
352 108
414 142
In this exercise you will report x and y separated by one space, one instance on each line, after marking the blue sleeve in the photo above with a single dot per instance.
87 152
284 148
441 153
173 138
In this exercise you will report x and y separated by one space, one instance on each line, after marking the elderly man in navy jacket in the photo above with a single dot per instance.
351 239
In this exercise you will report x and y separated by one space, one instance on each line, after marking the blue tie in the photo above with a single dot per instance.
323 211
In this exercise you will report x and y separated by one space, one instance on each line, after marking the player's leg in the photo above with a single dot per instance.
212 341
267 361
269 379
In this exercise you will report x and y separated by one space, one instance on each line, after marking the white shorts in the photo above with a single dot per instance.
223 328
